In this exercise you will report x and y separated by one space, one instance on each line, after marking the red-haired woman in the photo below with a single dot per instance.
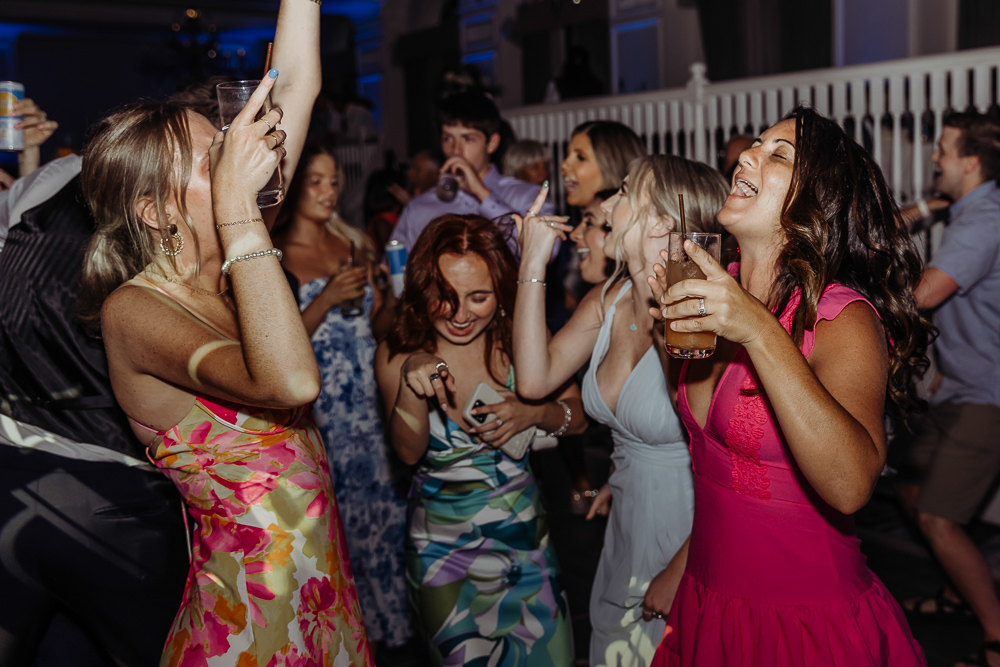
484 574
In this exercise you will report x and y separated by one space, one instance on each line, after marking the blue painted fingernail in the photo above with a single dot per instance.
273 73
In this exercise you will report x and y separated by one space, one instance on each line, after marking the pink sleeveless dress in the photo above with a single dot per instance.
775 576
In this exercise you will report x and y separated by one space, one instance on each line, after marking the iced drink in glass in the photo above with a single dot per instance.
680 344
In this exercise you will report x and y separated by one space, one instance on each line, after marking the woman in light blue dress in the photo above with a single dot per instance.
331 259
625 387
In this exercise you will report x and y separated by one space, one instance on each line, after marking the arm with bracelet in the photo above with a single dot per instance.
183 328
544 363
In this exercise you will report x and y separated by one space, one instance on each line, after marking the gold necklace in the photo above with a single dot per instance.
197 290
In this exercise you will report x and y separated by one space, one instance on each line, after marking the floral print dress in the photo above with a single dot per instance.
485 578
372 510
270 583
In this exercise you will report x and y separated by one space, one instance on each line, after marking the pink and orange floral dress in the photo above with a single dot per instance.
270 583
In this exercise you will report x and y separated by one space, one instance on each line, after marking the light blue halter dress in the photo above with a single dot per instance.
652 506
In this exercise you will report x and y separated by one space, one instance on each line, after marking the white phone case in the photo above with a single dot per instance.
517 446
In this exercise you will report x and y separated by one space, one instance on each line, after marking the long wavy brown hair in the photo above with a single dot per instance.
842 225
427 295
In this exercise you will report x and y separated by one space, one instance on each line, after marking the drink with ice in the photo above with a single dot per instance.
680 344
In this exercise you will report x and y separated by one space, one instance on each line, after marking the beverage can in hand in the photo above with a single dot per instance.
11 138
395 255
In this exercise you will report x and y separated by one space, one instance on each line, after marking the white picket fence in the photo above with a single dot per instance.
881 103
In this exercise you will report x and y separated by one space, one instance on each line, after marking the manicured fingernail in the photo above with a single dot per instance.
273 73
545 185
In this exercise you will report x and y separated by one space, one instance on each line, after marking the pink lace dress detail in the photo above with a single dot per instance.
775 576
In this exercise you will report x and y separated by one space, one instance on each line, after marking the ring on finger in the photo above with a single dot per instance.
441 365
434 376
499 422
269 127
701 307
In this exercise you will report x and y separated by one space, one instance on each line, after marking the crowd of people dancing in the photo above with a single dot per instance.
167 342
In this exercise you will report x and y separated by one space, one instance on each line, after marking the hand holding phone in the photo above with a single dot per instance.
484 395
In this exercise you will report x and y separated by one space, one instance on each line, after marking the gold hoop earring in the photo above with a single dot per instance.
178 240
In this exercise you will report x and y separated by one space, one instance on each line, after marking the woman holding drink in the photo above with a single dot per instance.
818 332
208 356
333 264
625 388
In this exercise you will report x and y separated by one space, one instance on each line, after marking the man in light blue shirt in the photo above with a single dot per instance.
470 133
955 458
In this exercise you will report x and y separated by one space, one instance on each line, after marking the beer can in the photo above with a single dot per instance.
395 254
11 139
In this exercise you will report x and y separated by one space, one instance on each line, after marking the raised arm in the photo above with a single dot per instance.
271 363
540 364
296 56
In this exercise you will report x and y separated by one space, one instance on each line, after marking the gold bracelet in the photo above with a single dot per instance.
238 222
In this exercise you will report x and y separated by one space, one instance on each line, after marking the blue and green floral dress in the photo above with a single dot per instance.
485 577
372 511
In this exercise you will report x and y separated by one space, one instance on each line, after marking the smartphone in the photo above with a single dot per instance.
517 446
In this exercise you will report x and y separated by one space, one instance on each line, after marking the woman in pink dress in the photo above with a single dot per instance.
819 335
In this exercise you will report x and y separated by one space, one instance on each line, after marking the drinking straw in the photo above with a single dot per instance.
680 199
267 59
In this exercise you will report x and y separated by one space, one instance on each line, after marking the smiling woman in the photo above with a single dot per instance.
332 263
483 572
819 337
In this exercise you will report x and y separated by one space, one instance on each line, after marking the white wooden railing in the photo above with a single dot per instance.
696 121
358 162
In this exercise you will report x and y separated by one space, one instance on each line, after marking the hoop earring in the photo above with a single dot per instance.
178 242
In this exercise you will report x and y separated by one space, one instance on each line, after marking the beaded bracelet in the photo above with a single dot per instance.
228 265
567 418
531 280
238 222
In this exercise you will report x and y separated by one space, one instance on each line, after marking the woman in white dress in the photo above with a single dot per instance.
625 388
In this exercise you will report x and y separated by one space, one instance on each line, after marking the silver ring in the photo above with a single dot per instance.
701 307
552 225
530 212
441 365
499 422
658 615
433 376
264 120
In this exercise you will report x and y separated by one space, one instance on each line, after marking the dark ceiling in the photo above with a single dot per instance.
107 13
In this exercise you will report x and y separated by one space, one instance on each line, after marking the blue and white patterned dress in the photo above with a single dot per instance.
372 511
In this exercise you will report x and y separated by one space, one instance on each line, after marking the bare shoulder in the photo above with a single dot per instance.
855 337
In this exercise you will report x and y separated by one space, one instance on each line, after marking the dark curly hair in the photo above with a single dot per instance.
427 294
842 225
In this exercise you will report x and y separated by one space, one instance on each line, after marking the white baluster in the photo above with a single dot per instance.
712 122
771 113
960 89
663 129
981 82
858 107
650 126
675 126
